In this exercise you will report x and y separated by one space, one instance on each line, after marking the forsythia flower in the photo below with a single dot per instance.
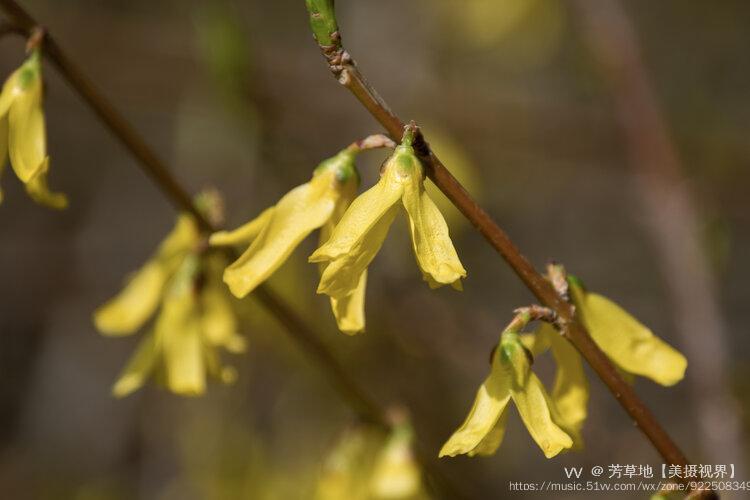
368 465
22 132
570 392
510 378
357 238
277 231
627 342
396 473
195 318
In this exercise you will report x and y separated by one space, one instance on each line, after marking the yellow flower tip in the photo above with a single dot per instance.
126 386
552 449
107 324
350 330
219 239
37 189
243 234
239 283
451 449
322 254
187 389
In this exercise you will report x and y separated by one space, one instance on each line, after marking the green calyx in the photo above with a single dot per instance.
323 21
575 281
343 165
510 342
406 162
30 70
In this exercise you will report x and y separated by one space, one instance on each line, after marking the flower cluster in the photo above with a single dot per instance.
194 318
353 230
369 464
555 420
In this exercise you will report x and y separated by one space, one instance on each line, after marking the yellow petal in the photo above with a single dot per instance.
27 141
433 248
630 344
218 320
532 401
298 213
396 474
532 405
342 276
132 307
179 328
492 441
184 237
11 89
139 368
3 148
489 405
348 467
349 310
536 344
570 393
37 189
243 234
362 217
224 374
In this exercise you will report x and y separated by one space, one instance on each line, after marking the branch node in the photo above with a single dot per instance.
36 38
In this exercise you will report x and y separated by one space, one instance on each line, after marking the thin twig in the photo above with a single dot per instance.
347 73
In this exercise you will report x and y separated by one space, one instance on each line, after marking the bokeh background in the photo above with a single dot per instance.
523 100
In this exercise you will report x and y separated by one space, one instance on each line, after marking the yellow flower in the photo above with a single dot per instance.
277 231
359 235
627 342
396 473
368 464
22 132
510 378
570 392
194 321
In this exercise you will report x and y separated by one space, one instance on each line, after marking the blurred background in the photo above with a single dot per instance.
610 138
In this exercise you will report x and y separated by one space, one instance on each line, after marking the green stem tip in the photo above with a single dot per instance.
323 21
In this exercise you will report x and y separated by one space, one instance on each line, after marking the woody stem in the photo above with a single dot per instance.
348 74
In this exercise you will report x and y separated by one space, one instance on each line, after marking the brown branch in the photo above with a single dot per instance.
347 73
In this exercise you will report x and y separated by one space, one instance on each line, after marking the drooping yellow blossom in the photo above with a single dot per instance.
396 473
368 464
277 231
22 132
510 378
193 321
356 240
631 345
570 393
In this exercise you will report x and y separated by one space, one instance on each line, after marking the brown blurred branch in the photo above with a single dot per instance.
672 221
348 74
